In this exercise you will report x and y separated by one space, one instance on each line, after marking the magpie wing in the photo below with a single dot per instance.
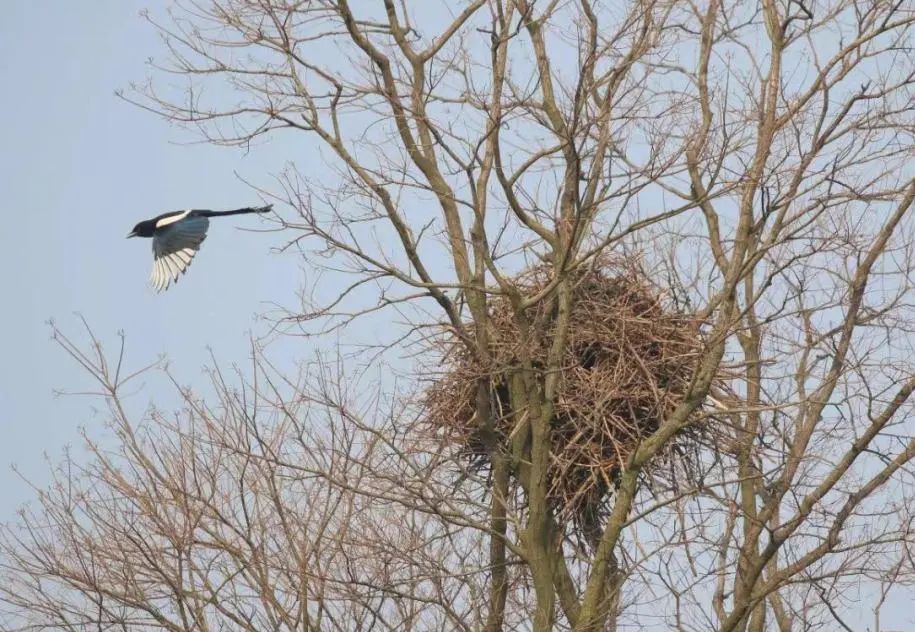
174 247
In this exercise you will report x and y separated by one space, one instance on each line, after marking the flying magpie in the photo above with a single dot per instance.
176 238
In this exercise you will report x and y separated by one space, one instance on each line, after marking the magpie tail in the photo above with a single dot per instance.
238 211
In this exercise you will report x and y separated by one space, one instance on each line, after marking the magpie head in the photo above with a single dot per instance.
143 229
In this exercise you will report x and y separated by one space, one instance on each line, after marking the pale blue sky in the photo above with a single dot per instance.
78 168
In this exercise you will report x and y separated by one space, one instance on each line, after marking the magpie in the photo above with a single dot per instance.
176 238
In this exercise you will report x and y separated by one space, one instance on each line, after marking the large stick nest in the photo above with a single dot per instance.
627 364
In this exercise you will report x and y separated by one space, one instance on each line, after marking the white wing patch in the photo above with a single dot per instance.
171 219
174 248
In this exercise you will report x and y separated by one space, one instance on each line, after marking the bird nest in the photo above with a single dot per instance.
628 362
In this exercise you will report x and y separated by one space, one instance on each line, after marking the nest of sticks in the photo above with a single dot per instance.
628 362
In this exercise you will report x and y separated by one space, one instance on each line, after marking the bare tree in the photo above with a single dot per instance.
753 160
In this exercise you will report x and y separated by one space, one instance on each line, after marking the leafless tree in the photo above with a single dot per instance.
754 159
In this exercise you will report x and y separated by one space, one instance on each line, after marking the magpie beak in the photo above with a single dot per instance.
132 233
